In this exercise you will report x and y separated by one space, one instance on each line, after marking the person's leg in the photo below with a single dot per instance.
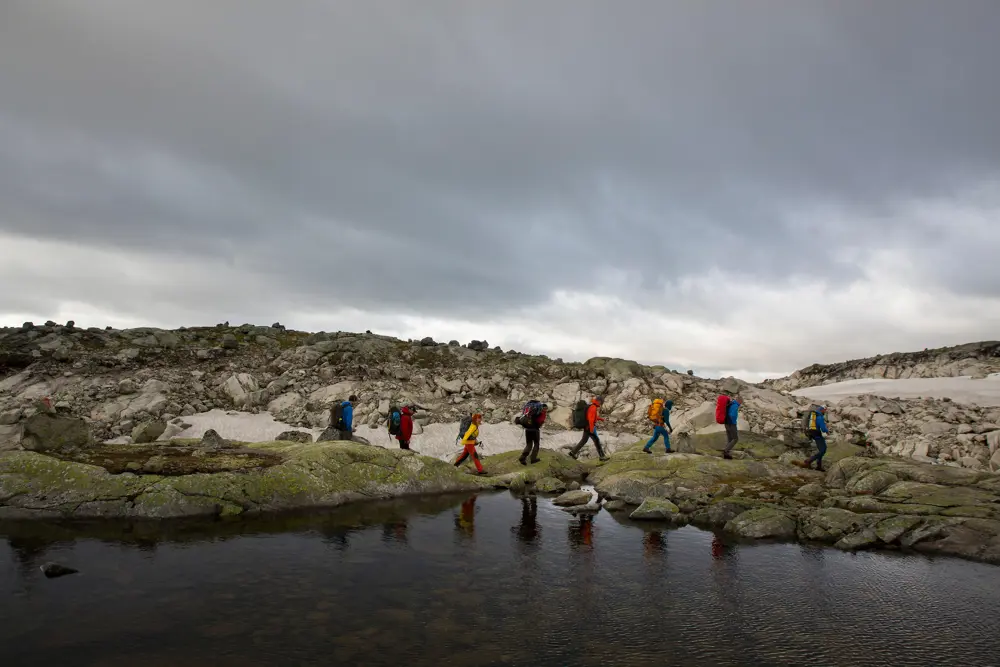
523 458
666 438
404 444
461 457
536 443
471 450
652 440
583 441
597 444
733 436
821 446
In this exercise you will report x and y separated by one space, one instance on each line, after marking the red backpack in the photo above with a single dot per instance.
721 407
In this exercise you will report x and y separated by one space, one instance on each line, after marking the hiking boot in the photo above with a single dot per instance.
646 451
604 458
522 461
668 451
820 468
807 464
727 455
574 455
481 472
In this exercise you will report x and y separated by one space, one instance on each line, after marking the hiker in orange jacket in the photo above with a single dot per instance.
590 432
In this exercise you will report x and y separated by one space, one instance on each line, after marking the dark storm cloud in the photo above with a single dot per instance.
405 150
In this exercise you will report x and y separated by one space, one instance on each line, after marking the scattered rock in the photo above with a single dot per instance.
294 436
572 499
148 431
656 509
45 432
54 570
212 440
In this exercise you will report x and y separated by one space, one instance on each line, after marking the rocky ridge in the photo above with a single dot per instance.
137 385
975 360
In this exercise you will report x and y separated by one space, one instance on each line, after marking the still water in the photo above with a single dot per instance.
487 580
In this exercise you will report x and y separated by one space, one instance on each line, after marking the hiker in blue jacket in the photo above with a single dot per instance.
732 430
815 430
346 425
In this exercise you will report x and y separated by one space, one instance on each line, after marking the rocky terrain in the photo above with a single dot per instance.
140 385
975 360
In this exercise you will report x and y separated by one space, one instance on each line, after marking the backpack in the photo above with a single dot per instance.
529 414
654 412
337 416
721 408
464 426
580 414
806 418
395 416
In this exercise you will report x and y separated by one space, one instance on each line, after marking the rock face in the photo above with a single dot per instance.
120 379
974 359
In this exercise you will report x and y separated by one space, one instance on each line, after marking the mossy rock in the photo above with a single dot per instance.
763 522
310 475
172 460
551 464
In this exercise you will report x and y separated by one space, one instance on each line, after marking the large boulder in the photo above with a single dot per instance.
148 431
656 509
45 432
763 522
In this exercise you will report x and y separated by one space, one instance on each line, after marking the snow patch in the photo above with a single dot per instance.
966 390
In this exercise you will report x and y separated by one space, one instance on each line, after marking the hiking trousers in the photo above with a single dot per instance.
470 450
657 432
732 436
588 435
404 444
820 446
532 441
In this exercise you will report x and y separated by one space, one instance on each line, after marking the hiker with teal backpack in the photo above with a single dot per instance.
342 417
401 424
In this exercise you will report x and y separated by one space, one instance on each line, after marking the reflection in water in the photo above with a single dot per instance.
465 518
527 530
414 589
581 530
653 543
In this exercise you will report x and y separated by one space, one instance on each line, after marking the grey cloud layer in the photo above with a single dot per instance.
406 153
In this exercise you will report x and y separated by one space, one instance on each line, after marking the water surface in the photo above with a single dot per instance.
482 580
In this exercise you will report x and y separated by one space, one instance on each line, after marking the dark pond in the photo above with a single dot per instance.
491 580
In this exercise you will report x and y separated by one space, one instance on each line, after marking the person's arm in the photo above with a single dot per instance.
406 426
821 423
470 435
666 419
592 417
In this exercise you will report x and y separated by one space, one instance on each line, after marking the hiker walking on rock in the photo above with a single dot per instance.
590 429
405 427
342 418
732 431
659 414
815 428
469 441
531 419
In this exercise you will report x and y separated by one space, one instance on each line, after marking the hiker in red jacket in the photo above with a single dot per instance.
590 431
405 427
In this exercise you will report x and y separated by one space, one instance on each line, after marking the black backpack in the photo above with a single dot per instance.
530 414
395 418
464 426
337 416
580 415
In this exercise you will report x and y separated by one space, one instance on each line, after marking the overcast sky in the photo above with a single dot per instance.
737 188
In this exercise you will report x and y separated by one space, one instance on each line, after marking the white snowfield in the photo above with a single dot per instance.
437 440
984 392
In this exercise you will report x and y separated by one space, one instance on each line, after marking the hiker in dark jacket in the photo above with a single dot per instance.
405 427
590 430
815 430
533 436
732 431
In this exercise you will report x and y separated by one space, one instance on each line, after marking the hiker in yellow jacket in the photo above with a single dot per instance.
469 441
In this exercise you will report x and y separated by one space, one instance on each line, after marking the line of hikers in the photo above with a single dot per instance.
585 417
